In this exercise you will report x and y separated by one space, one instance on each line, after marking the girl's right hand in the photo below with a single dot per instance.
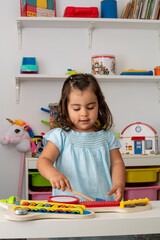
59 181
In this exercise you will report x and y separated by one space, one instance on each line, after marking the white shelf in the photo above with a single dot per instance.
106 78
60 22
141 160
88 23
130 161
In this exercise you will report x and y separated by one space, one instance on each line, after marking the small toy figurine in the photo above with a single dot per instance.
70 71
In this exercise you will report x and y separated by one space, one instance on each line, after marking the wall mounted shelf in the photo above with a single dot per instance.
102 78
141 160
87 23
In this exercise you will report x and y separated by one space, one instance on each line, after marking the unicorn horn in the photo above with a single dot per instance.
10 120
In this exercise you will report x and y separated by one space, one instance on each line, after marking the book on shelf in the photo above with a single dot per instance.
127 10
151 9
148 9
142 9
134 8
131 10
155 8
157 12
138 8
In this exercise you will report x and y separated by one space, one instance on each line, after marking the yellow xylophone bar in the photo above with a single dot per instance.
135 201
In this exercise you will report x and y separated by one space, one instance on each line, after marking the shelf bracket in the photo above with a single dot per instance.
19 29
17 90
90 30
158 89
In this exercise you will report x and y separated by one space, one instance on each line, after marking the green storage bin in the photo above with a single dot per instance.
36 180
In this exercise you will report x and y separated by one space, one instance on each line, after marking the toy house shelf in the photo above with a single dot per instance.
107 78
86 23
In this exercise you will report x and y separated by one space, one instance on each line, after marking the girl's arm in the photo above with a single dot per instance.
45 167
118 174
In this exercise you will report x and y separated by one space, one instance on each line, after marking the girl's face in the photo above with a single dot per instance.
83 109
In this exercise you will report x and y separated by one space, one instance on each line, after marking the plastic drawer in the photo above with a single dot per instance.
142 175
150 192
39 195
36 180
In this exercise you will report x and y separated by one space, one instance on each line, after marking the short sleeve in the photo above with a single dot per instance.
56 136
113 141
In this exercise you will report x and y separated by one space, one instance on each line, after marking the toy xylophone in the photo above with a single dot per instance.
32 210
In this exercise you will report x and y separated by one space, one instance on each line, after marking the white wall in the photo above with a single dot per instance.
59 49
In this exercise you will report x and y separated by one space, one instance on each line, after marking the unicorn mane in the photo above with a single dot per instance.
21 123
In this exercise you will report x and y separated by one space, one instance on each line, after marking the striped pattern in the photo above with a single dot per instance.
90 141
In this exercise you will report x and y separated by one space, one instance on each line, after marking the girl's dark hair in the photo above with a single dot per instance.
82 82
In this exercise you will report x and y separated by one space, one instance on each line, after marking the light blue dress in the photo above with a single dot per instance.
85 160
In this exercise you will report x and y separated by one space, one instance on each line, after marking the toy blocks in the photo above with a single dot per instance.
38 8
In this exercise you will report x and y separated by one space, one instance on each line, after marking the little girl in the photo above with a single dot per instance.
82 153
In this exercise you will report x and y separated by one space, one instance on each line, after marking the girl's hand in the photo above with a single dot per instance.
117 191
59 181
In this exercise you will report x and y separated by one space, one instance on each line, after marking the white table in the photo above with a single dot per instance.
104 224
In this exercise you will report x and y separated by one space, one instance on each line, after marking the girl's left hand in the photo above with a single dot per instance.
117 191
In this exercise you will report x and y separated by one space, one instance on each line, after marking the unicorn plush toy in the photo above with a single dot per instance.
19 134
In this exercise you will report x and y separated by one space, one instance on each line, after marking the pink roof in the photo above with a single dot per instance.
141 124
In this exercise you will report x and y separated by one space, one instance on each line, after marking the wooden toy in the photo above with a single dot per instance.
100 205
121 207
139 138
105 206
137 72
41 210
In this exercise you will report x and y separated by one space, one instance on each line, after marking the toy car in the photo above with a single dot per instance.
29 65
